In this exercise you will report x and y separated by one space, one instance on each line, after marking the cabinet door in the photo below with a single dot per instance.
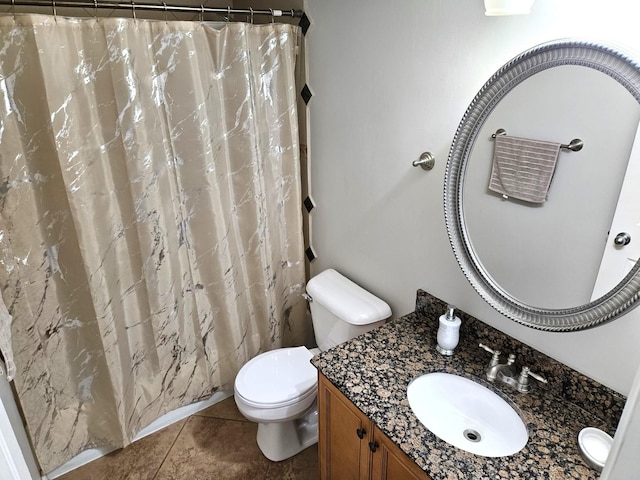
391 463
343 443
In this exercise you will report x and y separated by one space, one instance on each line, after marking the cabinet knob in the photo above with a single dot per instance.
361 432
373 446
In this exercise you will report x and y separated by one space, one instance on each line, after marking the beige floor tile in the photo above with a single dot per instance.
139 461
225 409
303 466
215 449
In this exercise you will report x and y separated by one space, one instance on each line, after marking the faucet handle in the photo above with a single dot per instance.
496 354
523 380
488 349
535 375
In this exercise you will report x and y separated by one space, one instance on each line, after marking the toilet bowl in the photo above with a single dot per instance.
278 389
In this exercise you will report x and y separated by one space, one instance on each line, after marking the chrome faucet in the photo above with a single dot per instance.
504 373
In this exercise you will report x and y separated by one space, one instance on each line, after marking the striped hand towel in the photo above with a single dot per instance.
523 168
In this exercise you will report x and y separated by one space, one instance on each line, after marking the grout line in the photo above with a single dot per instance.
243 420
236 420
239 416
170 448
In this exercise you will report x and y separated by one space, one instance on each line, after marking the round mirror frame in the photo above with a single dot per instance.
625 295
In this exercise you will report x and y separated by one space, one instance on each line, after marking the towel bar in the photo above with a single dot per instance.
574 145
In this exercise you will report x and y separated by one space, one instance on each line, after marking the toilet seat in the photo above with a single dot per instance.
277 378
262 405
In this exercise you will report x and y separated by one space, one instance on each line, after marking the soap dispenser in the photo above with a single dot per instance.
448 332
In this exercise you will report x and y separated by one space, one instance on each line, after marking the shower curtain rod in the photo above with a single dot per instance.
161 7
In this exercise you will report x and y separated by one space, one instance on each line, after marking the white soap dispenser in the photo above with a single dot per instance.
448 332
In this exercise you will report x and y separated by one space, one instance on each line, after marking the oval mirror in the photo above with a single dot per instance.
509 250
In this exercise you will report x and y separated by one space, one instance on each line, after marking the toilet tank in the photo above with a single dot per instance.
342 310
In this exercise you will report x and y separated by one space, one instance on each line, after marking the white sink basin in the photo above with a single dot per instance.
467 415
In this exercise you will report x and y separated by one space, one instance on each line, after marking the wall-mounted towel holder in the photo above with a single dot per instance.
426 161
574 145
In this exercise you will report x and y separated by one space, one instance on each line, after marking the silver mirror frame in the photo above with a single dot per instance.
625 295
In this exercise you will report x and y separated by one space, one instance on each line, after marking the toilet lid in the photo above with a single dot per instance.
277 377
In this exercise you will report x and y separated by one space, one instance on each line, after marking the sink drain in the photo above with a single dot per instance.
472 435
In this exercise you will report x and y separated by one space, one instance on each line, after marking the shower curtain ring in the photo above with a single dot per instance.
201 13
272 15
55 12
166 14
251 10
133 10
95 8
13 8
228 14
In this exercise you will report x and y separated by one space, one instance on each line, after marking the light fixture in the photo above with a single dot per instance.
507 7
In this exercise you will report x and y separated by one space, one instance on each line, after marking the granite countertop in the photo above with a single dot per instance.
374 370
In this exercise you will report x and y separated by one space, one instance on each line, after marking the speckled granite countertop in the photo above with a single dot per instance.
374 370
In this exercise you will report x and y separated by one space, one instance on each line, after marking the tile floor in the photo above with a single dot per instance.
215 444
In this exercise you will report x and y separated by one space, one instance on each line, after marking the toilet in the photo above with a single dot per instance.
278 389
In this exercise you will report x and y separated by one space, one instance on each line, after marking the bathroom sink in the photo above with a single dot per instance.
467 415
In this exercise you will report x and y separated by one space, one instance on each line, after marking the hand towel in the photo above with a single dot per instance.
523 168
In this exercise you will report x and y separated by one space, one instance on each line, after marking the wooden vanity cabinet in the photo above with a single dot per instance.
351 447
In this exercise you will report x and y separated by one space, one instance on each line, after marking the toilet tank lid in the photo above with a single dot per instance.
346 300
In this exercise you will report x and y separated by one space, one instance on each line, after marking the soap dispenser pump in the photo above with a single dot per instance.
448 332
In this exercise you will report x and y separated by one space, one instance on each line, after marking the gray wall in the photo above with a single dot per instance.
393 79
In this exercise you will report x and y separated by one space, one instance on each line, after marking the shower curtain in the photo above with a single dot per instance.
150 223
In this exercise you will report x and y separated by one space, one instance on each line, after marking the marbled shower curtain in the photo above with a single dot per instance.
150 225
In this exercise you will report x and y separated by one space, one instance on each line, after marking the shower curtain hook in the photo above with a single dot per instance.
251 10
201 13
133 10
228 14
272 15
95 9
55 11
166 14
13 8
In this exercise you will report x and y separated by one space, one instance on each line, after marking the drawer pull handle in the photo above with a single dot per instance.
373 446
361 432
